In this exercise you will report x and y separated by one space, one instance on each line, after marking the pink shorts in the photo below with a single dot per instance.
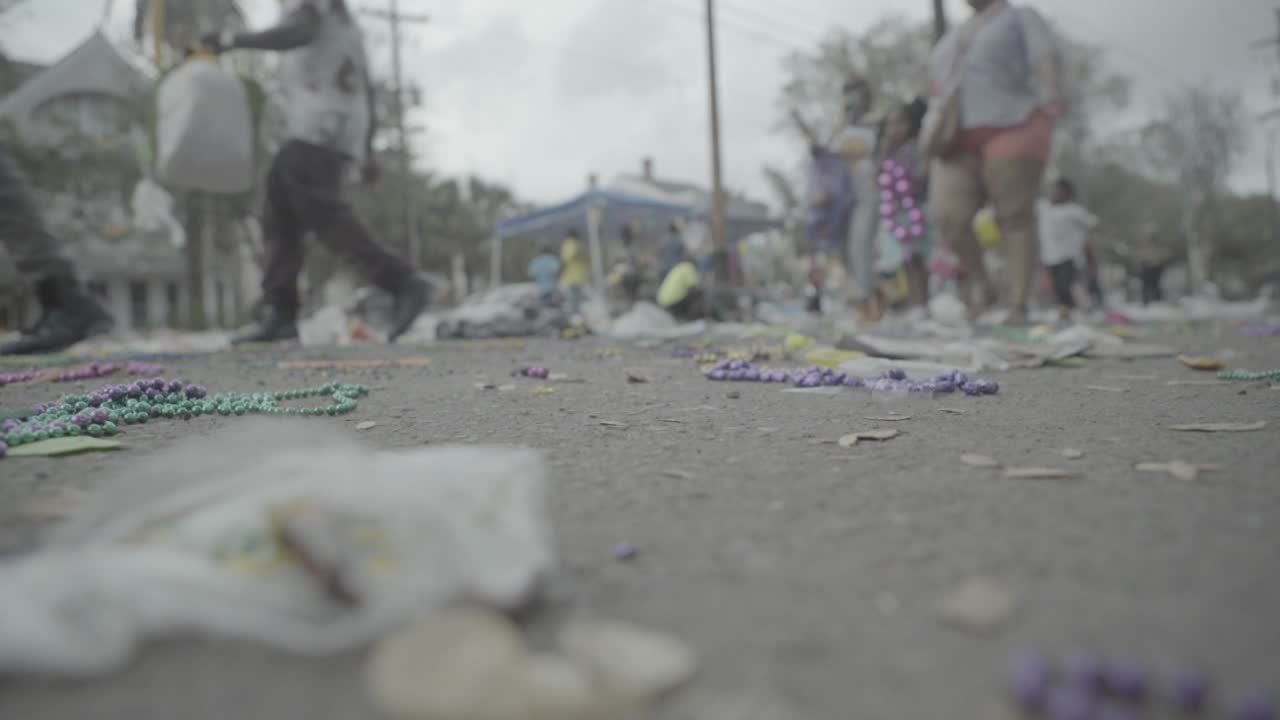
1032 139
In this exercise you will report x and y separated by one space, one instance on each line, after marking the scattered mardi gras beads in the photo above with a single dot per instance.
85 372
1245 375
894 380
102 411
1092 688
10 378
535 371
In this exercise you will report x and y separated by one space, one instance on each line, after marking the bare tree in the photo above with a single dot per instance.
1196 145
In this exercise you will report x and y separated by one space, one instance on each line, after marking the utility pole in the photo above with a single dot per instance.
939 20
394 18
719 236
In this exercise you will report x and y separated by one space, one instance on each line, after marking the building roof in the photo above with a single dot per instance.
13 73
95 66
690 194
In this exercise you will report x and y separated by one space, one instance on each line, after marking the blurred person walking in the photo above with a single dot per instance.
995 90
330 125
69 314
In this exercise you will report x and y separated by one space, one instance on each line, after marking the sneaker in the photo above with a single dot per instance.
61 327
276 326
410 301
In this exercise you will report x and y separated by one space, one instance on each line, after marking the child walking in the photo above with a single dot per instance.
905 235
1064 232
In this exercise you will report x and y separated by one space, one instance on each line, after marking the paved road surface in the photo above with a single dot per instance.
804 573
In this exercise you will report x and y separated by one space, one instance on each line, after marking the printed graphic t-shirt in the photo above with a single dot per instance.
326 96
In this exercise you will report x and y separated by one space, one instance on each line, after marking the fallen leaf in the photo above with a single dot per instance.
1104 388
1220 427
878 435
977 604
979 460
891 418
1201 363
56 447
1072 453
951 411
1177 468
366 425
1039 473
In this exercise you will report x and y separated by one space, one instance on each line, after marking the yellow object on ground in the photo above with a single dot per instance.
985 227
796 342
677 284
829 357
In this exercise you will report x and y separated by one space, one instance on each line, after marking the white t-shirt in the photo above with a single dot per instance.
326 97
1064 229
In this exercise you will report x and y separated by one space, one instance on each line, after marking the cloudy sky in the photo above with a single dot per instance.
539 94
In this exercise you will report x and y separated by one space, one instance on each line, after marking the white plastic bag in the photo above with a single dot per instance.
187 544
204 129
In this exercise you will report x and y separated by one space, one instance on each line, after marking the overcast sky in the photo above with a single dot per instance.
539 94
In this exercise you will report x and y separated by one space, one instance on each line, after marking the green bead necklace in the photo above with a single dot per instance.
102 412
1243 375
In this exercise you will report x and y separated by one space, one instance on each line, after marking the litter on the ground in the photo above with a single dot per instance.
1071 453
848 441
975 460
1222 427
366 425
1201 363
212 555
57 447
1177 468
1039 473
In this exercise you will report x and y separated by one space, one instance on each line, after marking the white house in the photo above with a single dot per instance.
89 103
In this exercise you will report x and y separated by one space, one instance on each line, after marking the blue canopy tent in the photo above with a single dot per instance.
594 209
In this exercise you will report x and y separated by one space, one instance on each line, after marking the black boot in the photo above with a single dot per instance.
410 301
70 316
276 325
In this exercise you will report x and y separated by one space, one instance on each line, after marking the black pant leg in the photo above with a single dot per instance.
282 233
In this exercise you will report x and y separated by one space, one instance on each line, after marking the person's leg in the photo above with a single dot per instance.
314 183
956 194
69 313
917 282
860 244
1014 186
282 234
1063 275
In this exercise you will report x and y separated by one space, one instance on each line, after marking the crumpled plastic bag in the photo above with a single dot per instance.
191 541
204 129
648 321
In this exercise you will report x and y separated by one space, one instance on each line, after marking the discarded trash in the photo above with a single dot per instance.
1200 363
1181 470
543 391
56 447
636 378
1220 427
1105 388
534 371
978 604
624 551
1071 453
974 460
951 411
367 424
852 439
627 662
890 418
421 529
467 663
1039 473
